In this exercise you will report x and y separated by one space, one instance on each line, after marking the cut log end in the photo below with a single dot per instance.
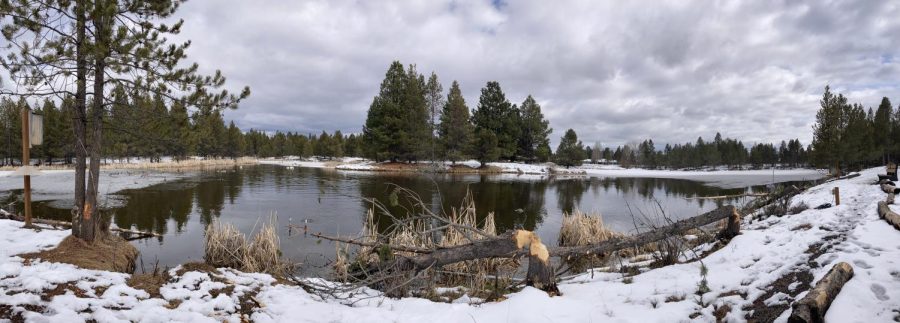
812 308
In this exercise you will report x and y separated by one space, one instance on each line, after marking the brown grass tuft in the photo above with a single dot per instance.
228 247
108 252
580 229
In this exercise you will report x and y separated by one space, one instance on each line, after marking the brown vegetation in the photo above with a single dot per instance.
227 247
109 252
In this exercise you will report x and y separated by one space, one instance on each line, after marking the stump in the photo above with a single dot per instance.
732 226
812 308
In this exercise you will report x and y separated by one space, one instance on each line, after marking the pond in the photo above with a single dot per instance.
335 203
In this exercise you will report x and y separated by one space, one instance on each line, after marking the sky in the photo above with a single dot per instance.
615 71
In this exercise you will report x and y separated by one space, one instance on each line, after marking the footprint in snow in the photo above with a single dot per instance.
862 264
880 292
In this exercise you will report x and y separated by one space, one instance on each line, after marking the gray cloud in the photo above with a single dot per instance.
614 71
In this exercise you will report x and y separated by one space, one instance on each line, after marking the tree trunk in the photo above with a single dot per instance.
812 308
80 229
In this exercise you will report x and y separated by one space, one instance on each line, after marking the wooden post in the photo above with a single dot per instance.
837 196
26 158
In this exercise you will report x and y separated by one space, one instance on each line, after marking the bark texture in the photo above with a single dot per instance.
812 308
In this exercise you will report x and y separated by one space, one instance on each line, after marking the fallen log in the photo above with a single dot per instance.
514 244
674 229
812 308
890 189
64 224
885 212
722 197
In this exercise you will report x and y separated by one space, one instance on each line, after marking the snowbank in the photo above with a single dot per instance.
745 271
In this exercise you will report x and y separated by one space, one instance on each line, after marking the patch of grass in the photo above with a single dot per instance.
580 229
798 208
108 252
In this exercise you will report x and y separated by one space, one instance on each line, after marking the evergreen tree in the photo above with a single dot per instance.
827 130
570 151
883 128
494 113
386 128
234 142
434 99
535 130
182 142
455 129
485 149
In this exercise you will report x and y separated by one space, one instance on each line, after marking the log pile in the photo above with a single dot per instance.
812 308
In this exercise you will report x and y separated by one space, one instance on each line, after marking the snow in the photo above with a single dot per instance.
765 251
719 177
58 184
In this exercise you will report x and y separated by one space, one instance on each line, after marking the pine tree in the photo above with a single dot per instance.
234 143
827 130
455 130
434 99
494 113
570 151
883 128
485 149
385 129
417 145
535 130
337 144
182 141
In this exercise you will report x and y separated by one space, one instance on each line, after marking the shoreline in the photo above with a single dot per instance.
722 176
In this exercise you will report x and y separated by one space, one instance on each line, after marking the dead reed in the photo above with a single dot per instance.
228 247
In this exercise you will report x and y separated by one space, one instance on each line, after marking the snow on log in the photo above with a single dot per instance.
812 308
885 212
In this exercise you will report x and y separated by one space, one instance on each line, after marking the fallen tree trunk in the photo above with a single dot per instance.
649 236
885 212
890 189
64 224
812 308
722 197
540 274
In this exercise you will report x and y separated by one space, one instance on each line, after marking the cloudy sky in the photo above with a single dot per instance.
614 71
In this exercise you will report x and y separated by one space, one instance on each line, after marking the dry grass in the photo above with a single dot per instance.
227 247
581 229
108 252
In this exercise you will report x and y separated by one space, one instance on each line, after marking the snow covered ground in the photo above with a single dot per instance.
770 264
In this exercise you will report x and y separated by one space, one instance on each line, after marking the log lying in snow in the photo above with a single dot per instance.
55 223
890 189
885 212
812 308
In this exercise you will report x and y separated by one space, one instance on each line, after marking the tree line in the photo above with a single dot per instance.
848 136
143 126
719 152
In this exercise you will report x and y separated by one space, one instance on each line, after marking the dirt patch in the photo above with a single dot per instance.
8 312
109 253
196 266
767 313
61 289
149 282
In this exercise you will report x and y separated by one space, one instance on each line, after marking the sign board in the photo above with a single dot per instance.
36 127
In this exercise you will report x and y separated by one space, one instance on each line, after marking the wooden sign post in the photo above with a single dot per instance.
837 196
26 159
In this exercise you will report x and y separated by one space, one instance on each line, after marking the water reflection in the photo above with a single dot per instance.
334 202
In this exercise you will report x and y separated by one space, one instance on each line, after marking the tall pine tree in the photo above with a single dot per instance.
455 130
495 114
535 130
